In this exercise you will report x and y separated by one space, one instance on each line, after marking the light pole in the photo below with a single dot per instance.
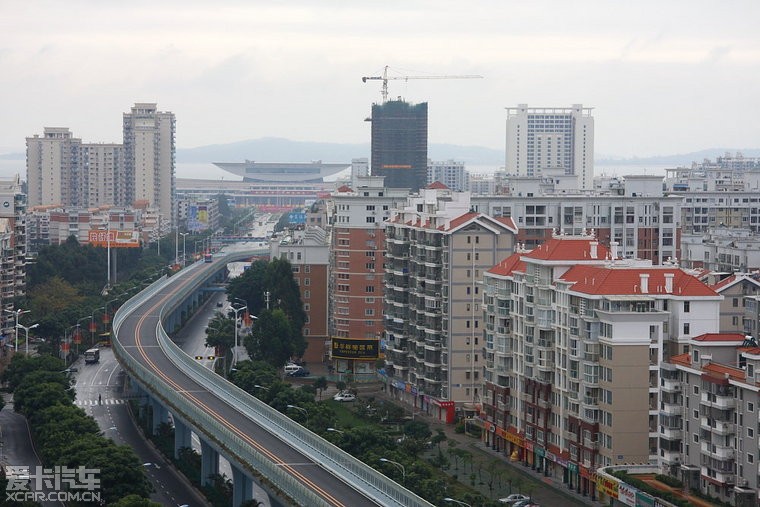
299 408
451 500
17 313
184 258
399 465
234 352
335 430
92 325
25 328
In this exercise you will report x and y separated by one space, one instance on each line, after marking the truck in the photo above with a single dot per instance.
91 356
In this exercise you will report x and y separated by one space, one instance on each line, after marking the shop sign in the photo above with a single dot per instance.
607 485
572 467
644 500
540 451
627 494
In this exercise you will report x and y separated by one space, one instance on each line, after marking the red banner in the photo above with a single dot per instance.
65 347
93 327
77 337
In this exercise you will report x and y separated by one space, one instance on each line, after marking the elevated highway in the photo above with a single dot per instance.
293 464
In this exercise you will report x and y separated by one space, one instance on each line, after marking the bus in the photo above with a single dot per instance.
208 258
91 356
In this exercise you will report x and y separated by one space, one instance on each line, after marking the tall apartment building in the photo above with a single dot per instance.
13 250
104 181
357 258
551 137
54 171
308 252
437 250
709 417
399 143
646 224
451 173
149 158
573 341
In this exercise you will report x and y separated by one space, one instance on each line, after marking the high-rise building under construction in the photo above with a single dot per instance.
399 143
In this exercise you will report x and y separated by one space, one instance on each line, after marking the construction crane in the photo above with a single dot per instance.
385 78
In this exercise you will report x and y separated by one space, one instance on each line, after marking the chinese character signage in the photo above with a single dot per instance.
114 239
347 348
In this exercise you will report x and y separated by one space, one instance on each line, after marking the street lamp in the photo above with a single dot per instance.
335 430
184 259
236 310
25 328
299 408
17 313
451 500
399 465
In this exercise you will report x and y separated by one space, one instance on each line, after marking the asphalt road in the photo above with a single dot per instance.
106 379
137 335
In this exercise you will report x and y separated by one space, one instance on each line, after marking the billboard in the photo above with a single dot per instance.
347 348
114 239
197 217
296 217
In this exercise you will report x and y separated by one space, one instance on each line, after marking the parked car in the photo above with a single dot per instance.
514 497
299 373
344 397
525 503
291 368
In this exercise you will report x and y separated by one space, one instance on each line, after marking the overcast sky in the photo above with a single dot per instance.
662 77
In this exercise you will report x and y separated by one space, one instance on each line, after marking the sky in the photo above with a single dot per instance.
662 77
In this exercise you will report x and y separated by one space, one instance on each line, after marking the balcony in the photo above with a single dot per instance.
671 457
671 433
718 451
723 477
717 401
716 427
670 409
671 386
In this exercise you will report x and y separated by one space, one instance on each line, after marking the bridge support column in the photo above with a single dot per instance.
242 486
182 436
160 414
209 462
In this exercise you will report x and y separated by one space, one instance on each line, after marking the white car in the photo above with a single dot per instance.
290 368
344 397
514 497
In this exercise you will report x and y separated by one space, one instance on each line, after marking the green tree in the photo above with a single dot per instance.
135 501
273 340
21 366
320 384
220 332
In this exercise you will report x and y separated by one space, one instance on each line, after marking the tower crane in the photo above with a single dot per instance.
385 78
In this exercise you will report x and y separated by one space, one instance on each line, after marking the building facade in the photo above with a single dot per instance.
399 143
149 155
437 250
54 171
551 137
13 251
451 173
573 340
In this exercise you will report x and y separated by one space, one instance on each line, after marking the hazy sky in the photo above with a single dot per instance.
663 76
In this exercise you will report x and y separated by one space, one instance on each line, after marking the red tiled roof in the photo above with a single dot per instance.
719 337
627 281
459 221
506 221
568 249
726 281
682 359
437 185
721 370
345 188
755 351
508 265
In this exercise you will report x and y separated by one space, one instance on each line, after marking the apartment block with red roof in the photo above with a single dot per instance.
573 342
709 422
738 311
437 250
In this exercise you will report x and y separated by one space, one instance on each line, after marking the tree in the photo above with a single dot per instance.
273 340
21 366
220 332
135 501
320 385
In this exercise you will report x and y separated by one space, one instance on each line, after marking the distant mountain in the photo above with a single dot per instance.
12 156
684 159
272 149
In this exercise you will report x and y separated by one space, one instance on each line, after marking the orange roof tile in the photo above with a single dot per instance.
602 280
509 265
755 351
682 359
437 185
506 221
721 370
345 188
723 283
719 337
568 249
456 222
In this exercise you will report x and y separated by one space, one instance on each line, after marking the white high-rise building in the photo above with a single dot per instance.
551 137
53 167
149 157
451 173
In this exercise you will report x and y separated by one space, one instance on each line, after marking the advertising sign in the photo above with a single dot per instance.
347 348
627 494
197 217
114 239
607 485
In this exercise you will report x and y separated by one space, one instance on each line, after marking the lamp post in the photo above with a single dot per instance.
234 352
299 408
451 500
92 325
184 258
25 328
398 465
17 313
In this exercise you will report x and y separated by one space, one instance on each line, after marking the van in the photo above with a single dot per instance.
290 368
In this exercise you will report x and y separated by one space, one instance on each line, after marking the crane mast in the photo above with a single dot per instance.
385 78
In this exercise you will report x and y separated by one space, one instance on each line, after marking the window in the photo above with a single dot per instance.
369 288
750 406
735 302
695 437
696 389
750 457
306 307
696 415
307 281
750 432
686 328
306 294
686 307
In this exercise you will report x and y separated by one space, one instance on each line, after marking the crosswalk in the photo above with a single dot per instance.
106 401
